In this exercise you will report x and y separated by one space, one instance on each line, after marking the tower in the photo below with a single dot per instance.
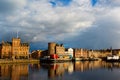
15 47
16 42
51 48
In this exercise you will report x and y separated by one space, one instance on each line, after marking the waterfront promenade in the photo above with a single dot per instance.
9 61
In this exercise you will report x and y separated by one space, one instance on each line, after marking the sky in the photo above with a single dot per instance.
91 24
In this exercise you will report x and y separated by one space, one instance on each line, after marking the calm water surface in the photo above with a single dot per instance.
95 70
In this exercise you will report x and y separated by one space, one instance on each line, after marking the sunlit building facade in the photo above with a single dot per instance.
14 49
54 48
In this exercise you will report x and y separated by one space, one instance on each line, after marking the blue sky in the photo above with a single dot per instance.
60 2
75 23
93 2
67 2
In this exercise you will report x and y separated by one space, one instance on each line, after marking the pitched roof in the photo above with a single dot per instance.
6 43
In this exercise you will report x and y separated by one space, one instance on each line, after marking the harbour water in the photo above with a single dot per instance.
85 70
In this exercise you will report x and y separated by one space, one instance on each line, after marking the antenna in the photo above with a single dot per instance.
17 34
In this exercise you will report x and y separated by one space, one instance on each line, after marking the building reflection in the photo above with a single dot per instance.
110 65
54 70
86 65
57 70
34 67
14 72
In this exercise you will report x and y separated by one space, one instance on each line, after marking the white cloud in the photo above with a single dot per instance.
40 21
40 16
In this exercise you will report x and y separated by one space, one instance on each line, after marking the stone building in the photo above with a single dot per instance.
51 48
116 52
14 49
59 49
54 48
99 53
80 53
36 54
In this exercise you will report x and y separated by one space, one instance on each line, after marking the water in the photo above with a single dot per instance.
94 70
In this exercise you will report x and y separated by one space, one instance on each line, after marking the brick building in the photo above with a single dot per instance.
14 49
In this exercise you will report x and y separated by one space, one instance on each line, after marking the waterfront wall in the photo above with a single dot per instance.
4 61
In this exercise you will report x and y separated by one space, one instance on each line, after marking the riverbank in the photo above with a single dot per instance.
9 61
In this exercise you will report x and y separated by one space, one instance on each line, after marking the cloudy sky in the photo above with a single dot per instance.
75 23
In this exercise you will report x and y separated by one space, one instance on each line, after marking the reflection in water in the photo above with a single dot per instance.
57 70
61 71
83 66
14 72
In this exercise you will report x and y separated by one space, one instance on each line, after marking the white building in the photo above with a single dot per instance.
69 52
